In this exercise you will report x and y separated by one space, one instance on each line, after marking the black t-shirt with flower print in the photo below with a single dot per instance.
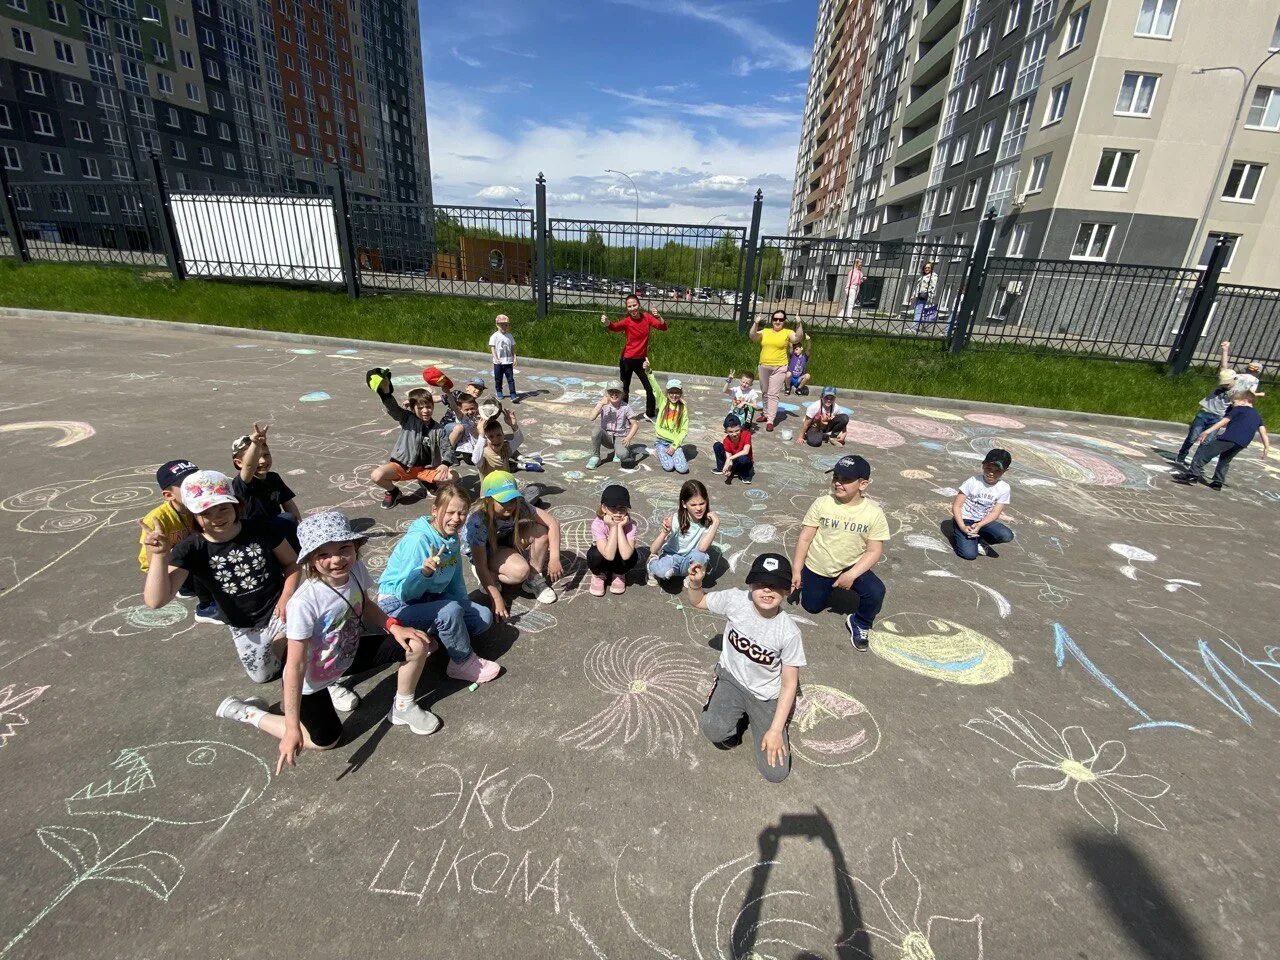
243 574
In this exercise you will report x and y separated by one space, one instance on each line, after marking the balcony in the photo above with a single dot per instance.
944 15
922 106
935 64
917 145
904 190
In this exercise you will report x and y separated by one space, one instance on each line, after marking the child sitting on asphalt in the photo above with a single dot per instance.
798 371
172 519
246 565
761 654
1212 408
1239 426
977 508
735 456
686 536
671 425
497 451
512 542
612 554
825 421
335 630
616 429
843 538
746 397
464 434
421 451
263 492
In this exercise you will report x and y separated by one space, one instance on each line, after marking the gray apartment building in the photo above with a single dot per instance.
229 94
1103 131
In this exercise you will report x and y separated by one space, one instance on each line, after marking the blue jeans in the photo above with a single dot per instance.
966 547
743 467
452 622
507 370
671 457
669 566
815 594
1203 421
1224 450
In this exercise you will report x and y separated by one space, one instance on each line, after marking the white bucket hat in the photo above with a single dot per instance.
321 528
206 489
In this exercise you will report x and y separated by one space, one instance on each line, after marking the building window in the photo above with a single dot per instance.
216 100
224 131
57 12
948 201
182 26
1057 103
1013 17
999 79
175 119
98 204
186 59
153 13
1155 19
164 83
51 163
214 70
177 150
986 138
89 168
208 39
84 133
229 160
33 82
1039 173
1092 241
1137 94
1264 113
971 96
22 40
1018 240
971 191
1211 241
1242 182
1073 36
193 92
64 51
120 170
198 121
206 156
41 123
6 123
959 147
984 39
301 141
60 202
159 50
1113 170
11 159
74 93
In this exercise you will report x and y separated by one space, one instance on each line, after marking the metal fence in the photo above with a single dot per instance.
108 221
677 268
869 287
1249 317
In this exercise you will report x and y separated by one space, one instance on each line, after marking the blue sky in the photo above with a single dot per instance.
700 102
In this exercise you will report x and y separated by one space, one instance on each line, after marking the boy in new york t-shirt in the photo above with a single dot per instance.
976 509
760 659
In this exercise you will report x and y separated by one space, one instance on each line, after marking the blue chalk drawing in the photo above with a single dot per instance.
314 397
347 351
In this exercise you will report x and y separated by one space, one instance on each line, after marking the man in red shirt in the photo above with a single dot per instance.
636 323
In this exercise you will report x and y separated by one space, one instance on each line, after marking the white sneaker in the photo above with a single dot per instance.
982 548
547 595
344 698
233 708
421 722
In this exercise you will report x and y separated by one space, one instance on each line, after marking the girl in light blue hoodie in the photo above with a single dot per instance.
422 586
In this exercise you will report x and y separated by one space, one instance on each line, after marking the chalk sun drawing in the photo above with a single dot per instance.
176 784
940 649
830 728
657 687
1051 760
72 431
12 700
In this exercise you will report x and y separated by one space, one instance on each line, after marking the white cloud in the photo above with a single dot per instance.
767 50
754 117
469 61
499 192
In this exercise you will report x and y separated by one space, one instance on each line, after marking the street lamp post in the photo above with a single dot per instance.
1202 224
697 284
635 257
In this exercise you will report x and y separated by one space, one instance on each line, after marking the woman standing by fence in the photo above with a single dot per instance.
926 296
775 345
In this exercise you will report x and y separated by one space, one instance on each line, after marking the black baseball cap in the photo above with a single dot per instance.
852 467
615 495
770 570
174 472
999 457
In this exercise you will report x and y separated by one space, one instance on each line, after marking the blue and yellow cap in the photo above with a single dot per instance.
500 486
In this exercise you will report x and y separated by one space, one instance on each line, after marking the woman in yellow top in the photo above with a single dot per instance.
775 345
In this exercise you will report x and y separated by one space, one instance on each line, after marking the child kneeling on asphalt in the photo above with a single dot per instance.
977 508
761 654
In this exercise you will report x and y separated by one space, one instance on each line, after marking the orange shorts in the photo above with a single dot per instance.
403 474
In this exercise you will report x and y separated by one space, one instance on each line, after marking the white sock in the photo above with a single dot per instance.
253 716
404 701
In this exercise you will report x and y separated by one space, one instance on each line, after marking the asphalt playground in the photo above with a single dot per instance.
1066 751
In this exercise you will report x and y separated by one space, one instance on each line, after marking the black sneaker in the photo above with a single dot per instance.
1216 485
856 635
426 489
208 613
390 498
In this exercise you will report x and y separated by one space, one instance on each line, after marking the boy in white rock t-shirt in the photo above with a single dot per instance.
758 675
976 509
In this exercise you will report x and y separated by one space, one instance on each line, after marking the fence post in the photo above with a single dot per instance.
540 267
1197 315
164 213
973 283
342 220
9 210
748 284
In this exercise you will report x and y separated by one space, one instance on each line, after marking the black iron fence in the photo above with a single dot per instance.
956 294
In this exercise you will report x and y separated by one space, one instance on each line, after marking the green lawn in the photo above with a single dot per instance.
690 346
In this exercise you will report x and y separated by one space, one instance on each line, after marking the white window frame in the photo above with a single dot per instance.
1244 166
1127 110
984 38
57 12
971 96
193 92
64 52
97 204
1265 100
75 93
164 83
1039 173
972 190
41 123
33 82
1110 159
1013 17
1093 229
986 138
1073 35
1155 6
1018 240
182 25
948 201
178 150
89 168
22 40
1000 77
49 160
84 132
1209 242
186 59
959 148
6 121
206 156
12 160
1056 108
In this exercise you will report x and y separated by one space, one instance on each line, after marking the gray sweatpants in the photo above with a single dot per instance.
721 717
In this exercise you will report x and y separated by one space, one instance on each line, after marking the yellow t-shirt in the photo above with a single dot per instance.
172 523
843 532
774 345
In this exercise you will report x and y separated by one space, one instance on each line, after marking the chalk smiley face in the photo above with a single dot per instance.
940 649
832 728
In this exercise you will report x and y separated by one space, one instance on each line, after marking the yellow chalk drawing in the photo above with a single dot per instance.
940 649
916 475
937 414
73 431
832 729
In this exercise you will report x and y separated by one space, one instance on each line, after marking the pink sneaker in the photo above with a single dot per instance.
473 670
618 585
597 586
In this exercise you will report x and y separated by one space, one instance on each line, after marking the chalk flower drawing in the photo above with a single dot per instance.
656 688
1049 759
11 701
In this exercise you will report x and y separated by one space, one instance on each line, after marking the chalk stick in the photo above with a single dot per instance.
473 686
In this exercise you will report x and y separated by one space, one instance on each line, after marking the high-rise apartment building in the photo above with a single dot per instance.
228 93
1103 130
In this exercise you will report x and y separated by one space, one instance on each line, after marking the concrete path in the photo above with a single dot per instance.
1068 751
